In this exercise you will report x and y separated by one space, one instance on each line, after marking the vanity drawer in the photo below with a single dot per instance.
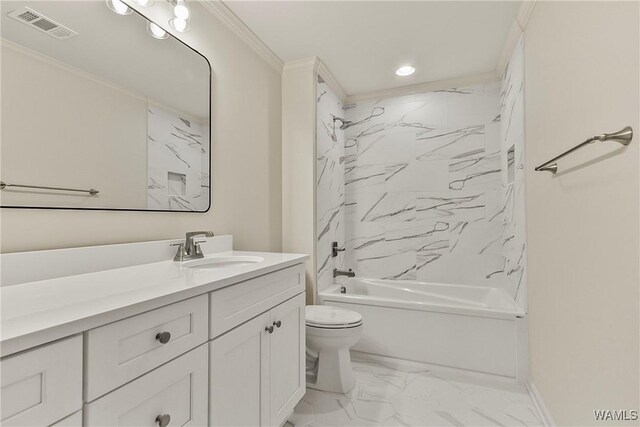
122 351
178 391
42 386
236 304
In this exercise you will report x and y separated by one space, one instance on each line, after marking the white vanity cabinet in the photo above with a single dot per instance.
43 385
256 371
225 352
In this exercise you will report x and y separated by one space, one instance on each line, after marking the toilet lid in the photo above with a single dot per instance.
326 316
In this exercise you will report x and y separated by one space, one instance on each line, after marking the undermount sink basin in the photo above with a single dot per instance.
222 261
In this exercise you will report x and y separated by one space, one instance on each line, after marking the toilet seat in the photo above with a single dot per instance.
328 317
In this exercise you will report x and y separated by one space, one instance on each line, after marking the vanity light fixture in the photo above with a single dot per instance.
181 13
405 71
180 25
155 31
119 7
180 10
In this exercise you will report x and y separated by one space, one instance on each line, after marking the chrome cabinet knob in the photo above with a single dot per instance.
277 323
163 420
269 329
163 337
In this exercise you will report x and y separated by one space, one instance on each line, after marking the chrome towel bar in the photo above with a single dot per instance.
623 136
4 185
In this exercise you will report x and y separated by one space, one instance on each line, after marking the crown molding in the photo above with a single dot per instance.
222 12
507 49
331 81
515 32
524 13
311 62
426 87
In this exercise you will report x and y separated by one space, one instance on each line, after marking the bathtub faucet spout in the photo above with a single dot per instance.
337 273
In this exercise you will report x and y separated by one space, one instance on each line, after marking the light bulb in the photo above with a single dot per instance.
155 31
144 3
119 7
404 71
179 25
181 10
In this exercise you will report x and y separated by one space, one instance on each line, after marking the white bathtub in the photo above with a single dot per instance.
467 327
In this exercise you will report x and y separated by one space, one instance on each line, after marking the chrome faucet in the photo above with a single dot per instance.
190 249
337 273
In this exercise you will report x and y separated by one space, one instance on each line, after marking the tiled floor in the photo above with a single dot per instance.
416 397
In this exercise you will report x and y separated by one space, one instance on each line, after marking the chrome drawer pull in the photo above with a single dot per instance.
269 329
277 324
164 338
163 420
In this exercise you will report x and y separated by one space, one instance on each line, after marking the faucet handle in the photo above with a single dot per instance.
197 246
180 254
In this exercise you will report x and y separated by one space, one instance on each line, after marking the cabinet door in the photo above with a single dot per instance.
42 385
287 357
238 379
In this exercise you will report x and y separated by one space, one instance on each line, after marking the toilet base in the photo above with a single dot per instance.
335 373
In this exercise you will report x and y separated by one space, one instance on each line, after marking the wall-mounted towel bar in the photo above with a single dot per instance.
4 185
623 136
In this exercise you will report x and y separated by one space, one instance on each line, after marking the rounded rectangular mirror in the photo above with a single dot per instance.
101 111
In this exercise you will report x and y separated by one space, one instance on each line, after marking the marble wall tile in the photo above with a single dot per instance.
425 166
512 137
179 146
425 193
450 206
332 171
386 207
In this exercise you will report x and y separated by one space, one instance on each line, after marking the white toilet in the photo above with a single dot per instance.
331 331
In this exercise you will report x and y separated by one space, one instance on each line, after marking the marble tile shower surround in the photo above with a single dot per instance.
421 190
330 143
423 187
177 161
512 138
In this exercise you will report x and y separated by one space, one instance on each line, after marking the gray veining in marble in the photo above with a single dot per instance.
418 186
176 145
403 395
331 176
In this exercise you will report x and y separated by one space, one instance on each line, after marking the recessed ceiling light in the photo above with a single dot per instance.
404 71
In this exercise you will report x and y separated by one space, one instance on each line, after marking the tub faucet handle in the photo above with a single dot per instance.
335 249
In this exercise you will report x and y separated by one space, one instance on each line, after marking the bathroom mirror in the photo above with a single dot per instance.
105 111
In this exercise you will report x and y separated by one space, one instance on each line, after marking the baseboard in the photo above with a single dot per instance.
547 420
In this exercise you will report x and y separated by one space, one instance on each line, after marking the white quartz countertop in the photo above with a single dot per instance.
38 312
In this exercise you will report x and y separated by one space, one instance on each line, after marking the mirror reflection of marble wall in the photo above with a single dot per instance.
110 108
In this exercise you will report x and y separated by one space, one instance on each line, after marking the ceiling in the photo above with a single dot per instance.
117 49
364 42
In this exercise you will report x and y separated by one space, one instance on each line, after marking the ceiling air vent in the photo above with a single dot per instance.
41 23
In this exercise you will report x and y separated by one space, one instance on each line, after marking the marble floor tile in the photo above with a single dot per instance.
406 396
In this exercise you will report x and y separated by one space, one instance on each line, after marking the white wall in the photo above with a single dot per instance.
582 71
246 162
298 164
